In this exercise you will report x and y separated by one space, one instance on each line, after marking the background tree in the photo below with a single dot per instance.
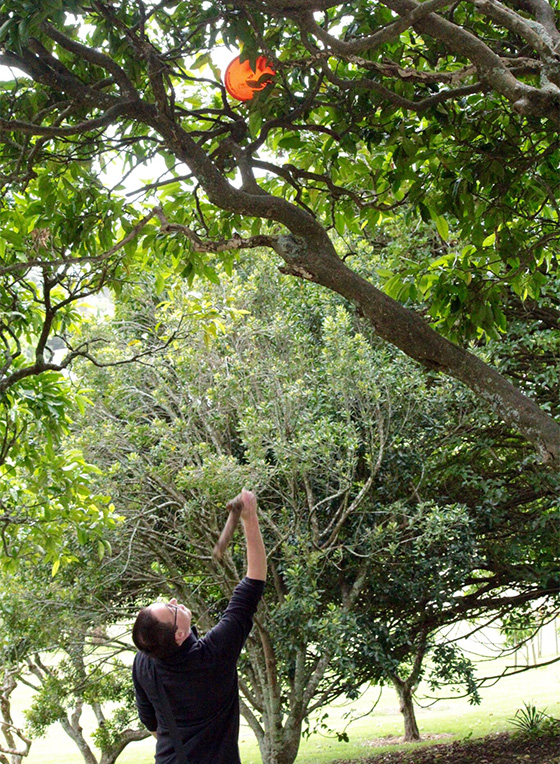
61 638
392 506
452 109
15 743
58 251
81 679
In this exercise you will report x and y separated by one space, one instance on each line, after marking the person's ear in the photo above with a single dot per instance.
180 636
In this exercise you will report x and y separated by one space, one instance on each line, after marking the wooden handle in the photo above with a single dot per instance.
235 506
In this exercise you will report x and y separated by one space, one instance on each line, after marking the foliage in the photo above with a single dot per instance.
58 252
531 722
60 636
45 492
380 117
452 667
69 683
45 495
391 505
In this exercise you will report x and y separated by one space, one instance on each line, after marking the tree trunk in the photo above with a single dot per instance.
74 730
280 745
278 734
16 746
406 707
278 724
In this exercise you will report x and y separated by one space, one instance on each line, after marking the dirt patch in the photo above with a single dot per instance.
397 740
494 749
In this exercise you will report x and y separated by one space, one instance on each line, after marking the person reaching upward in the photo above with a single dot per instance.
186 687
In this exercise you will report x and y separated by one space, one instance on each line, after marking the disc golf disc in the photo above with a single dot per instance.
242 82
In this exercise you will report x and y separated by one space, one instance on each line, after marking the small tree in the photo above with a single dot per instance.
56 642
16 744
79 680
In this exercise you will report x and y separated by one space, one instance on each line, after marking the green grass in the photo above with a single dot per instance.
455 717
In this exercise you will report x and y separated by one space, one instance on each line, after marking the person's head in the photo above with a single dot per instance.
161 628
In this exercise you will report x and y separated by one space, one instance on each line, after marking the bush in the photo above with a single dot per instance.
531 722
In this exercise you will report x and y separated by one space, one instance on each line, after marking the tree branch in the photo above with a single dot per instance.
28 128
94 57
345 48
72 261
205 245
533 32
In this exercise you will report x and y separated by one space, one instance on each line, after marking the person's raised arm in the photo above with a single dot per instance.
256 553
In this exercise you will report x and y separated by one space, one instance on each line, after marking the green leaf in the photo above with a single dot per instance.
203 60
160 282
211 274
442 227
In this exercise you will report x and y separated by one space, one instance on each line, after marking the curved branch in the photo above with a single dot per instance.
94 57
66 261
205 245
403 103
344 48
28 128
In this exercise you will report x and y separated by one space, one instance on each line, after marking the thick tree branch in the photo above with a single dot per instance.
94 57
533 32
492 70
47 131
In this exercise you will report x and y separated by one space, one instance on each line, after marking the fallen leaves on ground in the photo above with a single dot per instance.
493 749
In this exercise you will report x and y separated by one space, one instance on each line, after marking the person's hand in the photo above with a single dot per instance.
249 500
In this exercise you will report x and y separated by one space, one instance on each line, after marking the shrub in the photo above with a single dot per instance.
531 722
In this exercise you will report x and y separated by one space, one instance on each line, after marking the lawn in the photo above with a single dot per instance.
367 721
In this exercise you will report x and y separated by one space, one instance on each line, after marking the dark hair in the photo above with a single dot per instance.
156 638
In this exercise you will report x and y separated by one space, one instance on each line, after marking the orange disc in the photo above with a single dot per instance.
242 82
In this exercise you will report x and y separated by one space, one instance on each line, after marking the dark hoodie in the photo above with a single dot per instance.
200 680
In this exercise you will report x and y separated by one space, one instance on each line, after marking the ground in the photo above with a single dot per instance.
494 749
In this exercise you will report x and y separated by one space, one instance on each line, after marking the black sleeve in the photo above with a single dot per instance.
227 638
145 708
